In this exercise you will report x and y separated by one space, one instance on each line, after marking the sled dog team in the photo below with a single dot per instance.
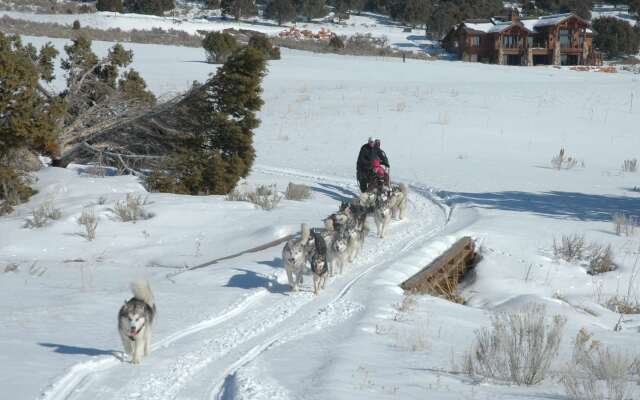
326 250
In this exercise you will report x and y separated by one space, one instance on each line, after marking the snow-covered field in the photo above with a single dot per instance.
473 141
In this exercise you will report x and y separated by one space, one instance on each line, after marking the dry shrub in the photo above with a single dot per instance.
89 221
630 165
41 216
519 347
624 224
570 248
600 259
597 373
297 192
623 305
264 196
563 161
132 208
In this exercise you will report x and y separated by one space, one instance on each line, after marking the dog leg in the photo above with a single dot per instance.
299 278
138 349
290 279
147 341
315 284
126 344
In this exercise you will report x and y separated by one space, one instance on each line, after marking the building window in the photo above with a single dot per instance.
581 39
565 39
475 41
529 41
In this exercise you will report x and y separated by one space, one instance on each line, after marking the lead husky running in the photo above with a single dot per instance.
135 321
294 256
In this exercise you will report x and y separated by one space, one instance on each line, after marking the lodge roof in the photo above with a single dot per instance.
531 25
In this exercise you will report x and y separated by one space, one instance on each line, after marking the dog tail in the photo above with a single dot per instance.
142 291
305 232
403 188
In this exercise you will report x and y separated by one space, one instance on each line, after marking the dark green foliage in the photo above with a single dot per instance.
109 5
264 45
28 118
76 25
133 87
280 11
311 9
222 151
341 9
615 37
218 46
239 8
155 7
581 8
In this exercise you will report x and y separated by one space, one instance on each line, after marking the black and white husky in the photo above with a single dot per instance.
135 321
382 212
398 200
295 255
319 262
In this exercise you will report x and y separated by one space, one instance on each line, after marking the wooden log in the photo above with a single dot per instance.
443 274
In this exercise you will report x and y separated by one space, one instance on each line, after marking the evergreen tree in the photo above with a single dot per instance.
311 9
109 5
133 87
155 7
417 12
222 151
263 44
28 117
239 8
615 37
218 46
280 10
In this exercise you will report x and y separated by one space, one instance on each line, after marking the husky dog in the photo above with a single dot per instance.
356 229
295 254
135 321
398 200
339 247
382 213
319 262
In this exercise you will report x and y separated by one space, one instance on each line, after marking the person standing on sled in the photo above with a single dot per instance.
363 165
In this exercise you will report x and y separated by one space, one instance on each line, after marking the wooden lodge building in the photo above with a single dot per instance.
563 39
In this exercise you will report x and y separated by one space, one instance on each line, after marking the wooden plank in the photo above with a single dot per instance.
444 273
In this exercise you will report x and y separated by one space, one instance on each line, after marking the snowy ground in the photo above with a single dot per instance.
473 141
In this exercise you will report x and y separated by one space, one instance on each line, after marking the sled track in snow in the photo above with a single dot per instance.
78 375
248 344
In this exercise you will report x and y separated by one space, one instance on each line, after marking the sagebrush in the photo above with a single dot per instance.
41 216
132 208
574 248
264 196
297 192
89 221
595 372
518 348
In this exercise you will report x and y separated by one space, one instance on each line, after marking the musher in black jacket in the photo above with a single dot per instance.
368 152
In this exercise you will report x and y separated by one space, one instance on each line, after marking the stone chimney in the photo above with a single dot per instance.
515 16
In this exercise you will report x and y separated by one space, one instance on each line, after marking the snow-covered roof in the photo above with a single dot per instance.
479 26
494 26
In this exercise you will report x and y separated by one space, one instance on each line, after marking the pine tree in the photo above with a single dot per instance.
225 110
134 88
28 117
239 8
280 10
311 9
218 46
265 46
155 7
109 5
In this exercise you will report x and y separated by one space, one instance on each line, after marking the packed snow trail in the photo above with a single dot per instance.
201 360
